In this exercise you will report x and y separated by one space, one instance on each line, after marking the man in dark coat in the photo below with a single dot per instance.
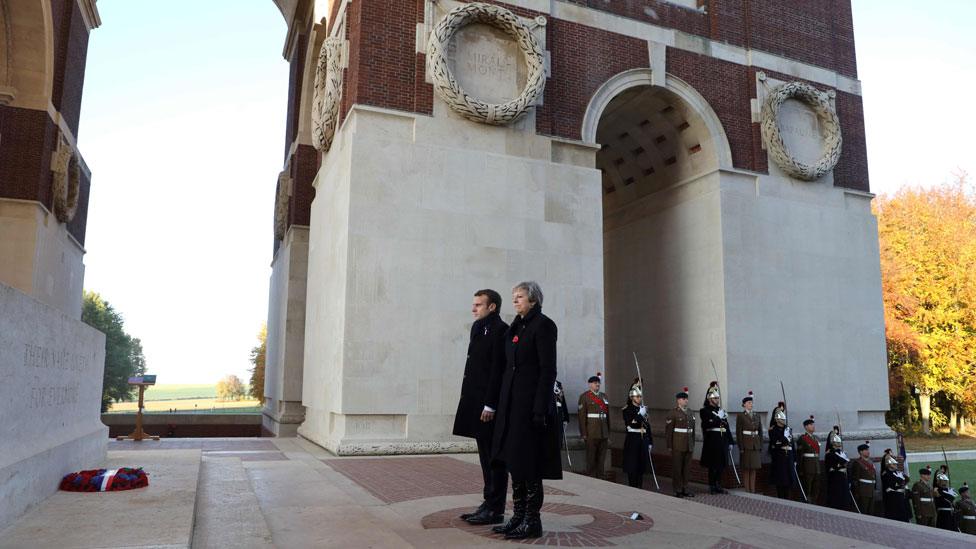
781 453
526 437
475 415
716 438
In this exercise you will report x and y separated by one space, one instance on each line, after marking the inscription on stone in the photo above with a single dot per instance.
801 131
37 356
46 396
486 63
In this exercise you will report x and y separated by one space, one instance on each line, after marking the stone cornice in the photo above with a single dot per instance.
89 12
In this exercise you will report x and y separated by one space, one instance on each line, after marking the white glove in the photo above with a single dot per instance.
788 433
722 414
642 411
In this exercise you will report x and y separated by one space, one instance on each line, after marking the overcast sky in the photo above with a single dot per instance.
183 124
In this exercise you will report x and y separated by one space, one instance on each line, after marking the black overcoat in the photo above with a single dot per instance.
715 444
893 494
637 458
528 452
482 376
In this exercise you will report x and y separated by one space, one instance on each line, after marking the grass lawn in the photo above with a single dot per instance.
176 391
934 443
959 471
197 405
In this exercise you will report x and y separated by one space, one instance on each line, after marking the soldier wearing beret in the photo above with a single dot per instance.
594 426
679 433
923 498
864 479
966 511
808 460
748 435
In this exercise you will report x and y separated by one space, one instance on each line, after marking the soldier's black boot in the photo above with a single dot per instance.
482 507
518 506
531 526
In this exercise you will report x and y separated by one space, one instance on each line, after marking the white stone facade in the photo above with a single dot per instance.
51 365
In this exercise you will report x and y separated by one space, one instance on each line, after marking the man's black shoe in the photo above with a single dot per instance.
486 517
482 507
688 494
679 494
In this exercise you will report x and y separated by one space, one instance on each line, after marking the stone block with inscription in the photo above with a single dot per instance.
50 397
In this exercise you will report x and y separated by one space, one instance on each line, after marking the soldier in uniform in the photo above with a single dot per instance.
835 463
594 426
966 511
945 498
781 452
562 412
638 442
893 484
679 433
923 498
475 415
716 437
864 479
808 460
748 435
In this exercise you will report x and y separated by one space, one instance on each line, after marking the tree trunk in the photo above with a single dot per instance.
953 421
924 399
963 424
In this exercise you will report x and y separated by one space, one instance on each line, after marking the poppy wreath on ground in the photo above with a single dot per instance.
105 480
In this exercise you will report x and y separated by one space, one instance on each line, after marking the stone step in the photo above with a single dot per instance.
228 513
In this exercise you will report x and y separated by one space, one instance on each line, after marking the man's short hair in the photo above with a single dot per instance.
532 289
493 297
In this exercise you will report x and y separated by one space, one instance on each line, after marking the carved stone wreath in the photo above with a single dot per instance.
327 94
451 92
281 205
772 138
66 185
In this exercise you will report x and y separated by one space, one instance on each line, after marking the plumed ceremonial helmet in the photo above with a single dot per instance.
712 391
779 413
835 439
889 460
747 398
941 476
636 389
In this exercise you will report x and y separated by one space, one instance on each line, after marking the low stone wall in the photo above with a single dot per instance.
51 365
186 425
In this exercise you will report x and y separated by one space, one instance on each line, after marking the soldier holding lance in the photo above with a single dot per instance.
679 434
748 435
893 483
716 437
594 426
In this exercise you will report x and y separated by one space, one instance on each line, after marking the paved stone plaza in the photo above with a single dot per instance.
290 493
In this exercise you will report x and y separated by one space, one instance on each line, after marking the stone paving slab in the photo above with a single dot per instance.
228 514
160 515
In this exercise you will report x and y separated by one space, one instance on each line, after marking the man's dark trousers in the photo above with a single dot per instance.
496 477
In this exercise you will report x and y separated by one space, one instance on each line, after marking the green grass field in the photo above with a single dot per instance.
176 392
959 471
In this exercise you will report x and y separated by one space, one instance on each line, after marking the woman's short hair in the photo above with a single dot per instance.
533 289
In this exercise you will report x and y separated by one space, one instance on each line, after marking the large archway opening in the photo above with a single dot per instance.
661 150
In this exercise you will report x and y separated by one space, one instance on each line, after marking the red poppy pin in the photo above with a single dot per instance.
515 339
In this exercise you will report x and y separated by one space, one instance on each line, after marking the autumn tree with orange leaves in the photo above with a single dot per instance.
928 270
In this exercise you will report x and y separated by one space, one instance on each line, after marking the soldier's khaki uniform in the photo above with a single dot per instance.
748 435
808 466
864 479
594 424
923 500
966 515
679 433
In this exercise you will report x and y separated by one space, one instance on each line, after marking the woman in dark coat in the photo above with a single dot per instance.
526 437
638 442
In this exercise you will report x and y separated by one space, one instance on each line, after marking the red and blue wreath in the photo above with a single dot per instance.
105 480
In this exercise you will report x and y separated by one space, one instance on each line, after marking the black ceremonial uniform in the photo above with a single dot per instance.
637 445
945 517
781 460
838 485
893 489
716 438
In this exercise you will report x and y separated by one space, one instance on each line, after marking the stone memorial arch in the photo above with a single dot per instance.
681 183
